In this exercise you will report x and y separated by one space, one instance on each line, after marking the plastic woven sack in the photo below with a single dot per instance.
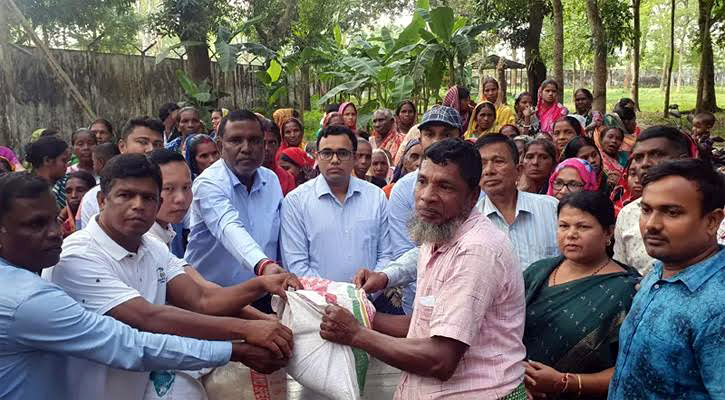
236 381
333 370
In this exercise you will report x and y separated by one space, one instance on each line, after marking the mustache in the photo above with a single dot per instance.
423 232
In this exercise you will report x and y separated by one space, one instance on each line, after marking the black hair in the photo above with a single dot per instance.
45 148
622 103
166 110
332 107
463 93
5 166
334 130
404 102
106 151
626 113
573 122
80 131
147 122
514 127
85 176
461 153
597 204
105 122
572 148
676 138
551 82
490 79
20 185
499 138
294 120
547 144
129 166
486 104
191 148
586 92
519 97
164 156
218 110
238 115
270 126
707 116
708 181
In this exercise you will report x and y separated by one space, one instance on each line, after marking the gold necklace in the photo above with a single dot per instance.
553 275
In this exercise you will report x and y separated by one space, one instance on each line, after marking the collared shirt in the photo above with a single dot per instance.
100 274
628 244
232 229
672 343
315 225
400 208
165 235
470 290
41 327
88 208
533 232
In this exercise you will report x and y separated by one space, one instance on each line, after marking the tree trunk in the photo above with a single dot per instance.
706 100
305 83
635 53
558 20
682 46
600 57
451 72
672 59
628 71
663 74
535 67
198 63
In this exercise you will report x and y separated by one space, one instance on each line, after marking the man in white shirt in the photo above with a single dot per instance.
114 267
333 210
140 135
654 146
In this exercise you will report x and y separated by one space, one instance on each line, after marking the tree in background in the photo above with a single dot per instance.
708 15
558 20
96 25
192 21
671 58
599 89
636 36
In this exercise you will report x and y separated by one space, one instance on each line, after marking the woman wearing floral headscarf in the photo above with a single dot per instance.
548 109
483 120
349 115
572 175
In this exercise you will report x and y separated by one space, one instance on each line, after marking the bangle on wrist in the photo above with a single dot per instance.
262 264
579 379
565 381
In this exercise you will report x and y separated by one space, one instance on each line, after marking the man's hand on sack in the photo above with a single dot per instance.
279 283
339 325
370 281
270 335
257 358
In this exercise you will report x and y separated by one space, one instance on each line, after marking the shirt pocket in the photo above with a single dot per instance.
423 315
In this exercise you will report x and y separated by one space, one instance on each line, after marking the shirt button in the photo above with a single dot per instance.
657 286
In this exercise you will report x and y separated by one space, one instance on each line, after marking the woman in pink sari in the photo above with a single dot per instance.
349 115
548 109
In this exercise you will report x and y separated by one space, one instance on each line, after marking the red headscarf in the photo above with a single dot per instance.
299 157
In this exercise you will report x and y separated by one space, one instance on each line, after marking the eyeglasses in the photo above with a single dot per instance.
571 186
342 155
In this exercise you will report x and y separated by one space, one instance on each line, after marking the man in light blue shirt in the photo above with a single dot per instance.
335 211
41 326
235 218
529 220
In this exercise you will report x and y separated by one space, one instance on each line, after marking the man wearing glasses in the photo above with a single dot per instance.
336 223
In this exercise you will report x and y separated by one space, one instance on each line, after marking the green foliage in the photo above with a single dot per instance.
189 19
201 96
98 25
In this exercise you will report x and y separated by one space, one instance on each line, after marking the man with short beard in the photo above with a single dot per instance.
464 339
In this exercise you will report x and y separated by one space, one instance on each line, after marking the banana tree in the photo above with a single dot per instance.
447 39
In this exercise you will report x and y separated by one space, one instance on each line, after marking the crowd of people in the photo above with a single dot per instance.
511 252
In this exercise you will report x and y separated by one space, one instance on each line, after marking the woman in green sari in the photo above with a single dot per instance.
575 304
